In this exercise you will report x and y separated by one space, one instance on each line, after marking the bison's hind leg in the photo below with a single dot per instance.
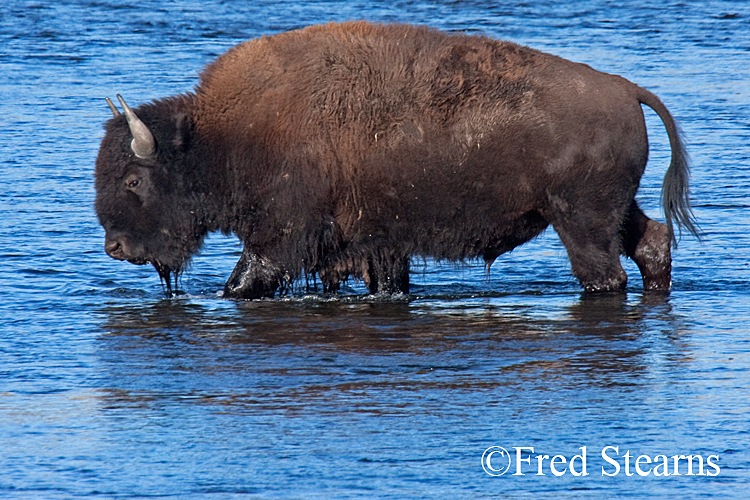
593 248
647 242
597 266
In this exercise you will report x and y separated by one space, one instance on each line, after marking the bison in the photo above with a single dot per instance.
342 150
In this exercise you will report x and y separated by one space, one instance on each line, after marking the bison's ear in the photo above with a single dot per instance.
183 131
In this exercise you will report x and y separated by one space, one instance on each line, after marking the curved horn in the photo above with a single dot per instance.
112 107
143 143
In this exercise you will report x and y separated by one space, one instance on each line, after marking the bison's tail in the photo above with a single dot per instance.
675 190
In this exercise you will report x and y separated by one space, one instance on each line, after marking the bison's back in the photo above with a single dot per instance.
361 75
373 85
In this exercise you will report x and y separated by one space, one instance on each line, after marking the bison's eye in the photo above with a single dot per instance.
133 182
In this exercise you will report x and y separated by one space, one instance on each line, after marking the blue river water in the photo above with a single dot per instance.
108 389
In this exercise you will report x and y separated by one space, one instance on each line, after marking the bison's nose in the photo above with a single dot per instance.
114 248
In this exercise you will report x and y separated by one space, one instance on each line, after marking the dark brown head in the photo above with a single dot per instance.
148 195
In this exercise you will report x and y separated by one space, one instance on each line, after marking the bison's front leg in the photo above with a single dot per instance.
254 277
388 274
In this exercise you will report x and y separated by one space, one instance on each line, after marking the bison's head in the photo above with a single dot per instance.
148 197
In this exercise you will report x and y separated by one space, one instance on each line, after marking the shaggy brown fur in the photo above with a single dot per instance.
344 149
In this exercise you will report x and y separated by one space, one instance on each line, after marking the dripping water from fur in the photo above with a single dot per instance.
166 275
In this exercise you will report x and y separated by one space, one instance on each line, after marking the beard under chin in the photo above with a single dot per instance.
165 276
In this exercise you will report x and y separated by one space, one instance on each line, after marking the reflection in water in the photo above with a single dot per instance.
245 356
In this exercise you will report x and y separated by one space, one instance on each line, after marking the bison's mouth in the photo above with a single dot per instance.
119 247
